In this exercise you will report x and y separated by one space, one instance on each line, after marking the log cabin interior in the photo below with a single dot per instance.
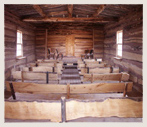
73 62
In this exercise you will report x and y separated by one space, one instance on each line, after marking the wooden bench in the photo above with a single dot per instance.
106 77
94 65
99 70
32 76
65 110
95 88
46 64
58 68
104 70
71 108
89 60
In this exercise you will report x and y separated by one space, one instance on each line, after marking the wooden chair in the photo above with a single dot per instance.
59 54
85 56
50 54
90 55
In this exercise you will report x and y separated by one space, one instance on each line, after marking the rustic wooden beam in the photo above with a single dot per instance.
70 10
39 10
99 10
73 19
57 13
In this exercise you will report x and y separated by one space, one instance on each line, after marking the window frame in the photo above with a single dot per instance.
117 44
21 44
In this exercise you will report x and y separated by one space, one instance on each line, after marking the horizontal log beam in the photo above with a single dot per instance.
53 19
57 13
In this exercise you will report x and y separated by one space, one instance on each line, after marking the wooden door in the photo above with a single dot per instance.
70 45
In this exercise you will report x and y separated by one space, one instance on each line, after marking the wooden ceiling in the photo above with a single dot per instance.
96 13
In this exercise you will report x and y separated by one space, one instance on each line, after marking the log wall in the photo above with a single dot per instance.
131 62
85 37
98 39
12 24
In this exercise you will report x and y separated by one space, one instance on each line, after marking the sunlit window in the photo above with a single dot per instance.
19 48
119 43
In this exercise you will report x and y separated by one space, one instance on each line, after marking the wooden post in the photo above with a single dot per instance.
22 79
26 60
47 78
30 68
68 90
93 43
87 69
125 90
91 78
63 109
46 32
111 69
53 69
12 91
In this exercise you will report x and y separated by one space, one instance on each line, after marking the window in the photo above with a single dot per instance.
19 47
119 43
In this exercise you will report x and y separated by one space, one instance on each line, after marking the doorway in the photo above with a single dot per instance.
70 49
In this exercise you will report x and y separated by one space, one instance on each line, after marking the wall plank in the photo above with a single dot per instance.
131 24
83 39
12 23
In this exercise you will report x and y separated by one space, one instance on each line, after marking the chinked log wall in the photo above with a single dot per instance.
86 37
12 24
131 62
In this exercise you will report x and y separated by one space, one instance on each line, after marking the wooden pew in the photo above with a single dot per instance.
89 60
104 70
46 60
81 65
72 108
24 87
29 75
106 77
121 108
32 64
46 64
99 70
42 69
36 110
93 65
65 110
